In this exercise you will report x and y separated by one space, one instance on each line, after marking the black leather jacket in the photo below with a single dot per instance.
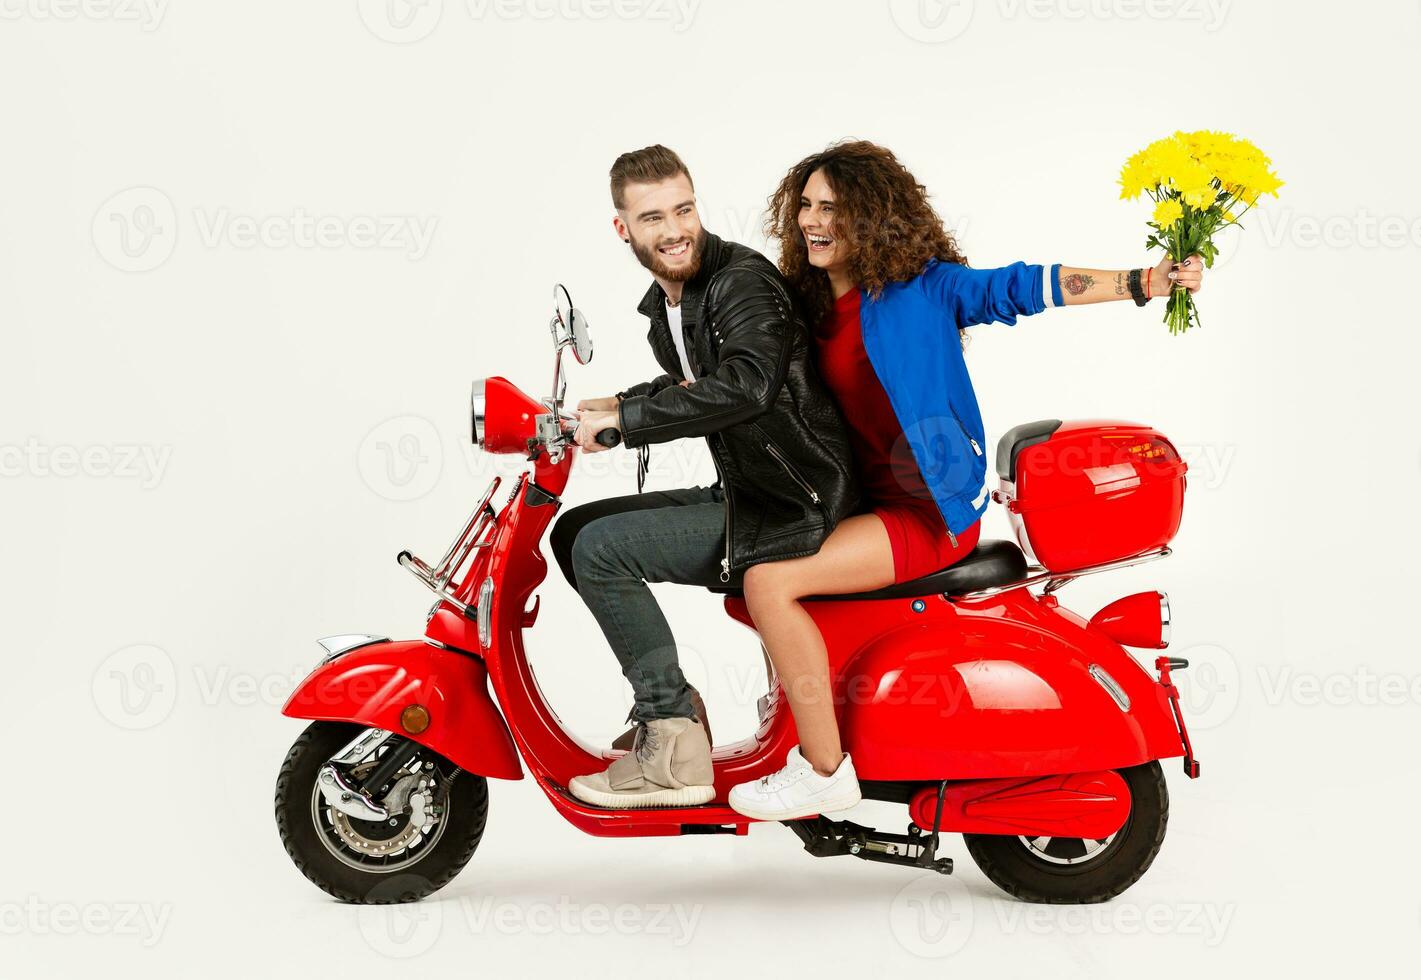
779 443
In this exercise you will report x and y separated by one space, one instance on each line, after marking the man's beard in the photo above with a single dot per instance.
649 257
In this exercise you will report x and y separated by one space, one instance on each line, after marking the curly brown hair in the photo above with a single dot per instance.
881 213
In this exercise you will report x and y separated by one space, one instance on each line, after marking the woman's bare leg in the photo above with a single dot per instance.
856 557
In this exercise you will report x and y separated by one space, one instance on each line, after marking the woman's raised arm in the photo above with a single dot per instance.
1079 286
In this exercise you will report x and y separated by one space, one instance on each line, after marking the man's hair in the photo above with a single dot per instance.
648 165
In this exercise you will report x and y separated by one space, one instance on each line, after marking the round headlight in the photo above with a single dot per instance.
476 411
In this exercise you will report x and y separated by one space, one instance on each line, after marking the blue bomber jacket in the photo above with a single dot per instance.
910 333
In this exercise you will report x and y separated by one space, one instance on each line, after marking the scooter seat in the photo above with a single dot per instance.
990 564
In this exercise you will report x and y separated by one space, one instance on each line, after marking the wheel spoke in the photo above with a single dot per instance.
1066 848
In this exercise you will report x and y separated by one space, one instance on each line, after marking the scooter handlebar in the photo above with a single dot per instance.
609 438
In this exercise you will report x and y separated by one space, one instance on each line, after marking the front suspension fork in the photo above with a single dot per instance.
357 799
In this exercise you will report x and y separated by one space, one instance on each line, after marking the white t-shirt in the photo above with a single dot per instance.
673 316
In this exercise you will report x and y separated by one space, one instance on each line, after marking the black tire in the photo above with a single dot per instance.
1019 870
296 820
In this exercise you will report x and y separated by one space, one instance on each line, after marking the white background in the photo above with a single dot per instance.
302 410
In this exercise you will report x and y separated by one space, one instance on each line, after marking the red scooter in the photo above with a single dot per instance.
984 708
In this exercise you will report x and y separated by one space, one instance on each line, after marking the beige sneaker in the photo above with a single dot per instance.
627 739
669 765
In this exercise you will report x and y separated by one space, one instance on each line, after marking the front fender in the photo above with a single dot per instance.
373 684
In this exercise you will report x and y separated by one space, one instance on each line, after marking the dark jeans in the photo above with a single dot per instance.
610 549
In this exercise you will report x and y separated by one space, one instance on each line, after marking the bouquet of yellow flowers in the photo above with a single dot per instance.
1198 182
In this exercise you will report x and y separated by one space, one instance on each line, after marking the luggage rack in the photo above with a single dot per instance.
1055 580
477 533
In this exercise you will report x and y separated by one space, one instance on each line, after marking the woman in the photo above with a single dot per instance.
888 293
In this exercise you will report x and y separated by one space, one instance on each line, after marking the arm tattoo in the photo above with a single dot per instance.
1077 283
1120 289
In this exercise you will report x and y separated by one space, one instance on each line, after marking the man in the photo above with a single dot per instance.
738 372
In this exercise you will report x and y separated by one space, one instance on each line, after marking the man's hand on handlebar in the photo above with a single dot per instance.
608 404
590 423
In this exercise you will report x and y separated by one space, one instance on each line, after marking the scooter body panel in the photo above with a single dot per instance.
1090 805
1013 686
374 684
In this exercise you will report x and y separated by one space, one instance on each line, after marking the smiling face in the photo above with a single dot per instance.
662 224
816 223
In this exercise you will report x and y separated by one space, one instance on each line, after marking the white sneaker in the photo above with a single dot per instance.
797 791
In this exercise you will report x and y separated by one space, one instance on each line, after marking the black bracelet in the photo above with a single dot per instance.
1137 292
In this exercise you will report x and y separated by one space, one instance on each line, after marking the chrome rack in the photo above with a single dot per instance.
1055 580
477 533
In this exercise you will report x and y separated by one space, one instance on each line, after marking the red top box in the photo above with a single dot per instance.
1088 492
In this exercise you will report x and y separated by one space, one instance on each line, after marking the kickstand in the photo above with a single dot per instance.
827 838
927 853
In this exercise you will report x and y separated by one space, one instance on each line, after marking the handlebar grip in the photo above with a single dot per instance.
609 438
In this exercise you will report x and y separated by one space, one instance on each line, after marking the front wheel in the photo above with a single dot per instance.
413 853
1069 870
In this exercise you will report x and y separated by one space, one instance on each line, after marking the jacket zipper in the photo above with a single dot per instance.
965 434
952 538
725 489
803 485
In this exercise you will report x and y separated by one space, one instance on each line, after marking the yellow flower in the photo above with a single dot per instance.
1192 178
1135 177
1168 158
1199 198
1168 211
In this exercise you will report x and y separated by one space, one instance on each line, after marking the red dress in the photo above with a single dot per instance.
892 484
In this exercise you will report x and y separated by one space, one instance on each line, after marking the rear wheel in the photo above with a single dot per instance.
416 851
1072 870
